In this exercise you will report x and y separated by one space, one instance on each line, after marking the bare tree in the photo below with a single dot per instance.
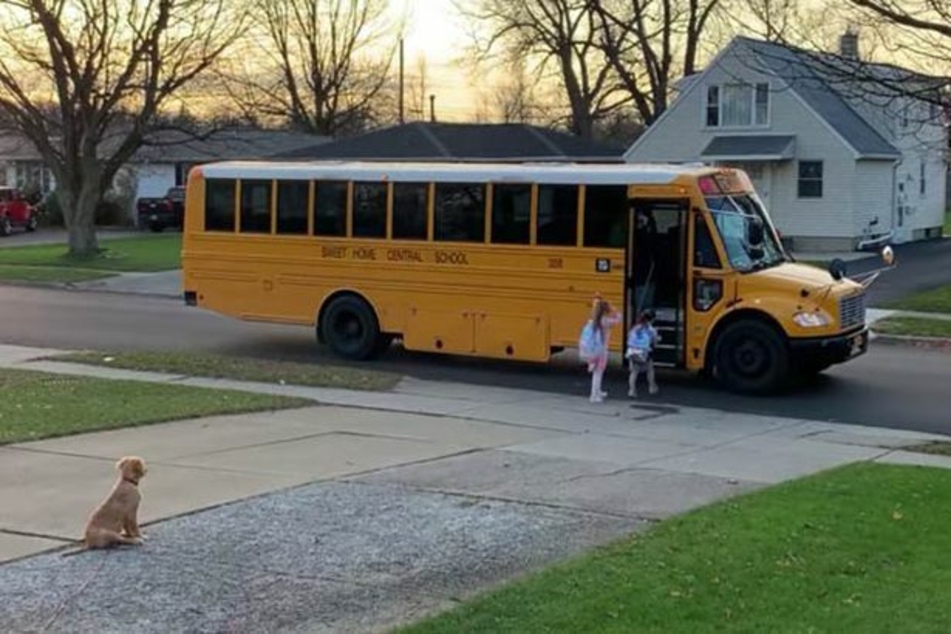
651 43
85 79
556 38
418 96
515 99
319 65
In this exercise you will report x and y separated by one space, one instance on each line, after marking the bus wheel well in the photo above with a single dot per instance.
737 316
749 353
322 311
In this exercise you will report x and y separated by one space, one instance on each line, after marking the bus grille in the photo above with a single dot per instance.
852 310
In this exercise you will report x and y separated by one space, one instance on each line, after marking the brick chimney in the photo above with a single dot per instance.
849 44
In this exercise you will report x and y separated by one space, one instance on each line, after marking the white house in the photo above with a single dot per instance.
836 148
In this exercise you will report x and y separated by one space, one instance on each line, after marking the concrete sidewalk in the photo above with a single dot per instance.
385 505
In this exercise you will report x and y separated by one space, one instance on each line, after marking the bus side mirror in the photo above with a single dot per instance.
837 268
755 232
888 256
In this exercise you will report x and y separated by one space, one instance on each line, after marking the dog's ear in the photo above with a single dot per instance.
139 467
122 464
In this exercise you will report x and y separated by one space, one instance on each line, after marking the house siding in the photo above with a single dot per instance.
874 193
154 179
680 136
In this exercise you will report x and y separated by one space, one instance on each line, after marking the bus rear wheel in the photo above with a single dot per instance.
350 327
751 358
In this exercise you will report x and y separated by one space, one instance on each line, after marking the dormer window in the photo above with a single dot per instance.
737 105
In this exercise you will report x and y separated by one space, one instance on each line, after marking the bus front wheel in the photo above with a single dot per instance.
350 327
751 358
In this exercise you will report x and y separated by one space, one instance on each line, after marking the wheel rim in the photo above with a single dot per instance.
348 330
750 357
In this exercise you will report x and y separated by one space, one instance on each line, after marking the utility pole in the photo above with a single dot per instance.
401 81
432 108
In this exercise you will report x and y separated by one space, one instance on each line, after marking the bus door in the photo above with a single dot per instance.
656 273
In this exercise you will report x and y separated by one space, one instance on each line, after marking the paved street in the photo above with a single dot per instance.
372 508
891 386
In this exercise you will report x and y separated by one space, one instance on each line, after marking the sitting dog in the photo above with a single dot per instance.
115 521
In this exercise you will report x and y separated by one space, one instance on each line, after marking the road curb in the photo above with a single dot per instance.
941 344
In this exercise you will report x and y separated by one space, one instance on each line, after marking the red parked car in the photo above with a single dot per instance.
15 212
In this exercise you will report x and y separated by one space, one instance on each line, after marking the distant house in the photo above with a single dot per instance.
837 150
164 162
428 141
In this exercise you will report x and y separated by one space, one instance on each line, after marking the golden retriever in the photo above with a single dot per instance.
115 521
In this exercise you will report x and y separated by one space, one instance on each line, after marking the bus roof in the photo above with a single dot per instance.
555 173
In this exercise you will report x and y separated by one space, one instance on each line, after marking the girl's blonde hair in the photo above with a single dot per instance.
598 311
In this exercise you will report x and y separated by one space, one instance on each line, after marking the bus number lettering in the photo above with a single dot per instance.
404 255
364 253
333 252
451 257
556 263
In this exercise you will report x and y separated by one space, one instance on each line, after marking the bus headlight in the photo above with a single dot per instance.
812 320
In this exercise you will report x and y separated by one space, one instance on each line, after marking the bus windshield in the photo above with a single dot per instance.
732 215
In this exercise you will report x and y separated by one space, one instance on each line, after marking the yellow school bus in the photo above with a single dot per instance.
503 260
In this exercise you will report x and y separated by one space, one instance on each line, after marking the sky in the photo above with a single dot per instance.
436 30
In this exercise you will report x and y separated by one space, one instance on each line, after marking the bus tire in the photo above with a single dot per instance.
350 327
751 358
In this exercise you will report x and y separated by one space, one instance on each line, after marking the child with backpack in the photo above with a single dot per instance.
640 352
594 344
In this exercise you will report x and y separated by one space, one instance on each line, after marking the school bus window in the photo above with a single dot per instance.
605 216
369 210
256 206
705 253
557 215
409 211
330 209
460 212
511 213
292 207
219 205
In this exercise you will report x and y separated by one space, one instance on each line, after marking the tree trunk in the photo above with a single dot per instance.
79 214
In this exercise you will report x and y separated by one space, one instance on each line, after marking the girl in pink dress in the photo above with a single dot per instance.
603 319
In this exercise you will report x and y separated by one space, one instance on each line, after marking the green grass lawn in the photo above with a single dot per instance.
947 224
35 405
860 549
914 326
937 300
49 274
219 366
145 254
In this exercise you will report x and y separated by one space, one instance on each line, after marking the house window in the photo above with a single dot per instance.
810 179
737 105
713 106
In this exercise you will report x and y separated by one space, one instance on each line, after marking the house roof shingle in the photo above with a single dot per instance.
425 141
747 146
819 79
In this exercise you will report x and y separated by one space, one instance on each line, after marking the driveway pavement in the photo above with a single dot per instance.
371 509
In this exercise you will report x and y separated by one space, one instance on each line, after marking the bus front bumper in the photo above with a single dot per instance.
830 350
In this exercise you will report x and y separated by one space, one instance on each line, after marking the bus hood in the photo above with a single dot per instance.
804 276
809 277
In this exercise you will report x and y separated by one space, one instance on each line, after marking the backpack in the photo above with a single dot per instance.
589 344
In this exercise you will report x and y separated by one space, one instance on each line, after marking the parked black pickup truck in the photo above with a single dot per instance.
159 213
